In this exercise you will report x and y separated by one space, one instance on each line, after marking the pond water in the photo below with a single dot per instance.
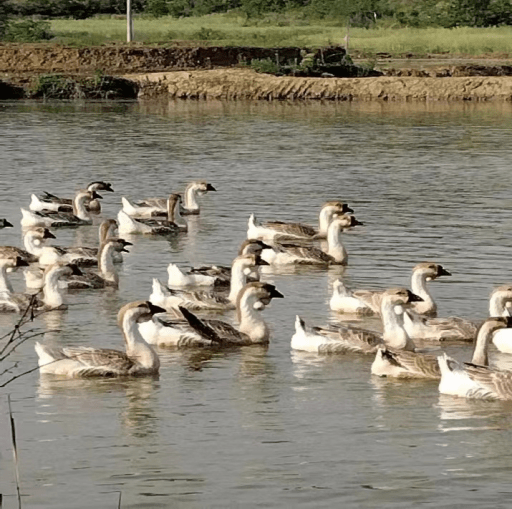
265 427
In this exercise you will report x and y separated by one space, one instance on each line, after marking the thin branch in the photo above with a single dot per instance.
14 451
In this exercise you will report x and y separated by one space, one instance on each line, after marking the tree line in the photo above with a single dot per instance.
362 13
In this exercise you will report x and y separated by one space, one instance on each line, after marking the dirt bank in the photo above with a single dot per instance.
246 84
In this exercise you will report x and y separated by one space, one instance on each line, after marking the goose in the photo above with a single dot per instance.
153 205
107 274
276 230
192 331
5 224
79 216
368 301
336 339
53 297
171 225
8 300
475 379
220 275
139 359
500 305
195 300
50 202
296 253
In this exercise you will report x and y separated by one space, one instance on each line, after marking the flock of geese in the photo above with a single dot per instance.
171 317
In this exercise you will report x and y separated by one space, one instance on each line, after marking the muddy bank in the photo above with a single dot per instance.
23 59
237 84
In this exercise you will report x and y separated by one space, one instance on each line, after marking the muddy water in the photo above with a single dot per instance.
265 427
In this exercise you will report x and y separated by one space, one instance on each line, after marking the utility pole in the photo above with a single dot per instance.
129 22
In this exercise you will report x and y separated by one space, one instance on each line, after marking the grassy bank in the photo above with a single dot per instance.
234 30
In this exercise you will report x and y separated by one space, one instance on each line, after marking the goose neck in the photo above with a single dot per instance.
191 197
238 280
324 219
250 319
482 341
79 206
5 285
394 335
106 265
420 288
52 294
136 348
335 247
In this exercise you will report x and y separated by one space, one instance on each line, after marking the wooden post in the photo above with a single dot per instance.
129 23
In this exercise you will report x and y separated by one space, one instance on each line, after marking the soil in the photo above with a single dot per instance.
215 72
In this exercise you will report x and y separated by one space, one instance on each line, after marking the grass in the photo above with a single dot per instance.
236 30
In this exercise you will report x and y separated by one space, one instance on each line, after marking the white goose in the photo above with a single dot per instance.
158 206
476 380
368 301
5 224
195 300
9 302
276 230
53 297
288 253
79 216
50 202
107 274
337 339
191 331
170 226
140 359
500 305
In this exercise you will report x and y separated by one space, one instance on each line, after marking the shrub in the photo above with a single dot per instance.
27 31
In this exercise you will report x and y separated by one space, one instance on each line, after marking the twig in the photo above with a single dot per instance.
119 503
14 451
22 374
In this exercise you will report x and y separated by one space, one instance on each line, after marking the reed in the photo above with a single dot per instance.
237 30
14 451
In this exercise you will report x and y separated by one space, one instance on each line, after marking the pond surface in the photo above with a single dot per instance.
265 427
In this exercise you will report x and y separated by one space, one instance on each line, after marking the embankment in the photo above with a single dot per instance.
236 84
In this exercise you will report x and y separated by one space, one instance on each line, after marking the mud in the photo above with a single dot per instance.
215 73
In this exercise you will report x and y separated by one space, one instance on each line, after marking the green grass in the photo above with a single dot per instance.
236 30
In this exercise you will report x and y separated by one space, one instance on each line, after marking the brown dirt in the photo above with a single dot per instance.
210 74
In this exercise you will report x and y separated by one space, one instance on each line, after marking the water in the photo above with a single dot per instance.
265 427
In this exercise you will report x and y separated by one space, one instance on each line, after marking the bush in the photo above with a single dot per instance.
27 31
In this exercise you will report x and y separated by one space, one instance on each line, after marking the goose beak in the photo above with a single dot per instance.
261 261
347 209
48 234
108 187
6 224
96 196
355 222
276 294
209 187
442 272
413 297
155 309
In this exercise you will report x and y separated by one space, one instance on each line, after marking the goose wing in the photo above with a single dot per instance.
372 298
305 254
291 229
216 331
159 225
497 383
55 199
417 365
160 203
99 362
82 255
453 327
9 251
201 300
350 339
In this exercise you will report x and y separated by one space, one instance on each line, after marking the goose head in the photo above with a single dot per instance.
345 220
430 270
13 262
501 301
5 224
400 297
251 246
100 186
202 187
263 292
342 207
138 311
120 245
